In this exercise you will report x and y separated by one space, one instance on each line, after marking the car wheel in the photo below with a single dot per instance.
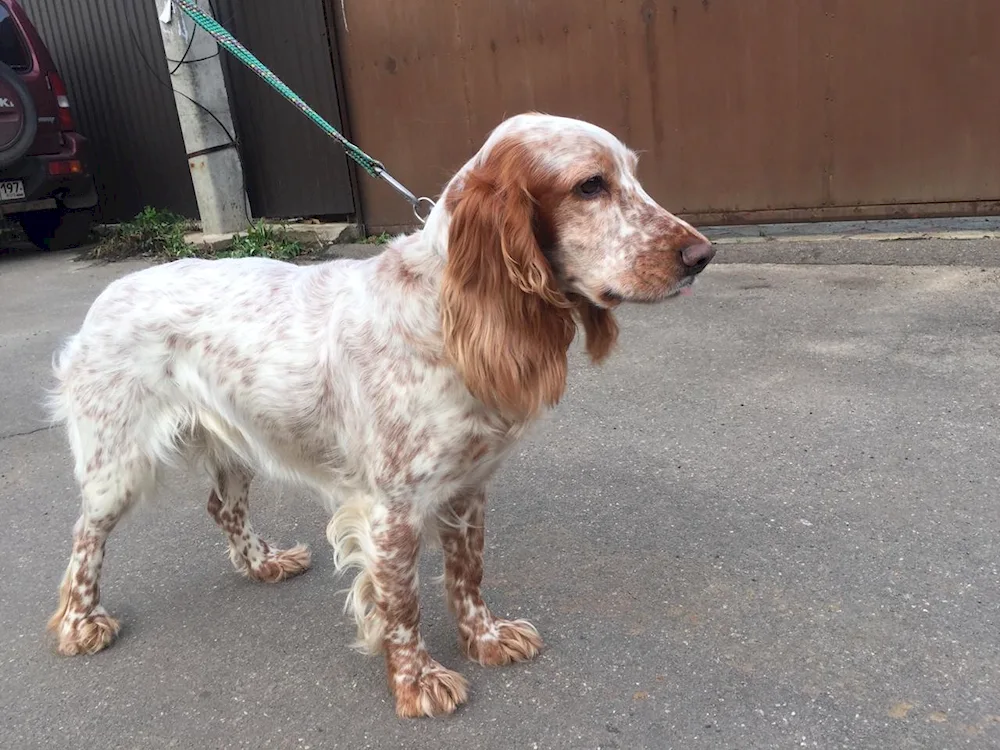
18 117
57 228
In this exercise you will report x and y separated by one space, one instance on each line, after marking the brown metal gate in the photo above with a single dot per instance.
111 55
744 111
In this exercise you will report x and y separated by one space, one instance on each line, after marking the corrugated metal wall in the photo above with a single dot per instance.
111 55
292 168
744 111
129 118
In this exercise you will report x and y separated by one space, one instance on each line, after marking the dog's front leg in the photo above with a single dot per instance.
486 639
422 686
384 543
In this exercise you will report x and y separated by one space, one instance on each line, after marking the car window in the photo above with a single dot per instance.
13 51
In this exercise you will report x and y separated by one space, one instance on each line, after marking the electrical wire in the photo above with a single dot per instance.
232 138
187 61
184 59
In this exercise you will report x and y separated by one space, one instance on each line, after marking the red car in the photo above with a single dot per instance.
45 181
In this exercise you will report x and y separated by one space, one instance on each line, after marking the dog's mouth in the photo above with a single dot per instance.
611 299
684 288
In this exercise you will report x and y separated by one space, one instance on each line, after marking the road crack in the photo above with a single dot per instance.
28 432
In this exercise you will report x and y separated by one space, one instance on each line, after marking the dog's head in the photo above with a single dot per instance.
547 226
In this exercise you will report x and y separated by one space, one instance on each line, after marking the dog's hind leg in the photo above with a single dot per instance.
109 488
228 504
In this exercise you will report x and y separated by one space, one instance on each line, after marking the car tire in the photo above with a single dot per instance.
57 228
29 127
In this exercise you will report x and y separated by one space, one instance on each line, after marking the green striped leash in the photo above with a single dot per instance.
421 206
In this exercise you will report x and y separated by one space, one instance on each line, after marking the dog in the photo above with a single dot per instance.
394 386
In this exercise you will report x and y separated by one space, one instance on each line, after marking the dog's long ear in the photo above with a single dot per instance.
506 324
600 327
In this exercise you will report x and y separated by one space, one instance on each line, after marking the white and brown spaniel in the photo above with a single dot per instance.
394 387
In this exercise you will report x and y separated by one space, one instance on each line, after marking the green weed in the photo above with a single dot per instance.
159 235
153 233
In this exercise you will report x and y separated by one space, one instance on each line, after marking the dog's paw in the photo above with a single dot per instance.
504 642
86 635
280 564
435 691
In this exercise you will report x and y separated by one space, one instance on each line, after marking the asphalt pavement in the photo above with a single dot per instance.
771 520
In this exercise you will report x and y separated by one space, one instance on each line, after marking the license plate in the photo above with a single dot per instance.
11 190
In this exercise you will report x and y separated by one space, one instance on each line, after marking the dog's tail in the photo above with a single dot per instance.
350 534
57 398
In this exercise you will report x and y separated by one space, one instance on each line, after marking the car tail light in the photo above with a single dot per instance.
69 166
62 99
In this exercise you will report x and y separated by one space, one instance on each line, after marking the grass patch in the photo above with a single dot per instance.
263 241
159 235
377 239
151 234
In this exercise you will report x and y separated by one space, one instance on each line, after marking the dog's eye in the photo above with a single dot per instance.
591 187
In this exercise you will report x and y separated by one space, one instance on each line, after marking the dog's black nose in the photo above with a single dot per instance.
697 256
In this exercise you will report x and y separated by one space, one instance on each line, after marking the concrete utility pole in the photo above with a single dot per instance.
215 166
